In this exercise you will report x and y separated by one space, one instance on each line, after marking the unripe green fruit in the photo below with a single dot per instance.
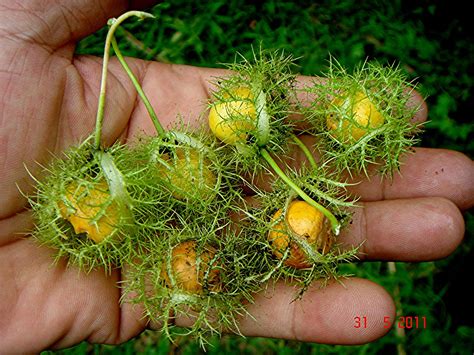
189 174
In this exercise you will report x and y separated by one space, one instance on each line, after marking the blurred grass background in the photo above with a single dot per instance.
431 42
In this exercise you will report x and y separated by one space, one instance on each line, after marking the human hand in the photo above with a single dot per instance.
49 100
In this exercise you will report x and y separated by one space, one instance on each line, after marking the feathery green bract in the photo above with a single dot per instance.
386 95
324 187
213 310
198 212
104 189
270 78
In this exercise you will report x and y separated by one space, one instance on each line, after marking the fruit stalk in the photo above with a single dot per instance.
306 151
114 23
159 128
335 225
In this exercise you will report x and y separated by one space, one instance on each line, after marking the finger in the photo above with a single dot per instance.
427 172
324 315
62 22
421 229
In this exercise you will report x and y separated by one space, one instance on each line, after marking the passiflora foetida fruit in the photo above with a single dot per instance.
301 229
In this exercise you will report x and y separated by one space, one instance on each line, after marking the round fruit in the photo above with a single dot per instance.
234 117
356 115
304 222
191 272
90 210
189 174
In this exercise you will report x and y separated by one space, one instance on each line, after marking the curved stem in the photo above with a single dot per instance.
306 151
159 128
335 225
114 23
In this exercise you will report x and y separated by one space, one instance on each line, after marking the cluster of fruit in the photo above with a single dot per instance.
182 209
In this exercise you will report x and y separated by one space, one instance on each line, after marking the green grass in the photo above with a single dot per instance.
429 41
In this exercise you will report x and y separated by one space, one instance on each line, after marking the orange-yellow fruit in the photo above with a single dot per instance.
187 274
359 116
190 175
89 210
305 222
231 120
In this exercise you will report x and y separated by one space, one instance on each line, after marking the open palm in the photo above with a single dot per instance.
48 102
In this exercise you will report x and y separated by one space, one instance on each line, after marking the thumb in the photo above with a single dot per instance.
54 24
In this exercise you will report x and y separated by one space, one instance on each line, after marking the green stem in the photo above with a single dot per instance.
114 23
159 128
306 151
335 225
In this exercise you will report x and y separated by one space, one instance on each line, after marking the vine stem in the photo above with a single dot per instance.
335 225
114 23
306 151
159 128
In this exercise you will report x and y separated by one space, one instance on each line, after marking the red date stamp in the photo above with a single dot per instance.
402 322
